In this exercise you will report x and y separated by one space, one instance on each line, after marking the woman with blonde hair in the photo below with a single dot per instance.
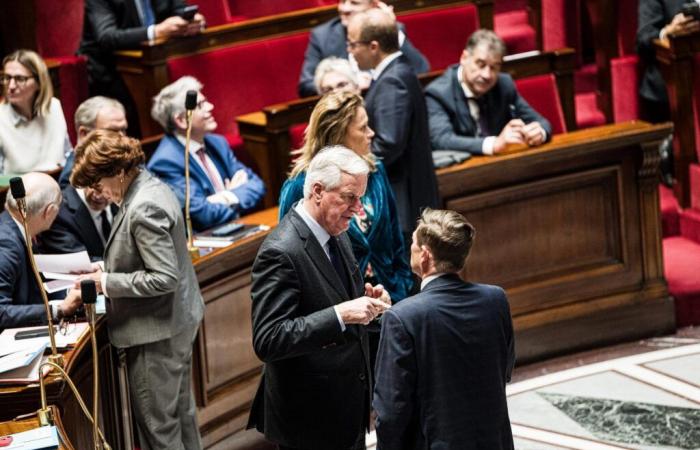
339 118
33 131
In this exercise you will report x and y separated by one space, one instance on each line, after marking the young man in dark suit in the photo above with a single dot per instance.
328 39
309 315
475 108
445 354
397 114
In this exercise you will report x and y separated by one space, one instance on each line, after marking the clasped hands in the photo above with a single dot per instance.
365 309
516 132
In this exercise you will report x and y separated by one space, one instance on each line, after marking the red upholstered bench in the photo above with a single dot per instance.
246 77
511 22
249 9
541 93
441 34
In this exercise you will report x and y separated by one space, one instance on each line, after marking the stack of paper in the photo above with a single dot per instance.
62 269
20 361
74 332
42 438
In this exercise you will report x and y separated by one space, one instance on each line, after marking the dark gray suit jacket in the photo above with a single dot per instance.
20 300
653 16
111 25
452 126
329 39
152 289
397 114
316 386
444 358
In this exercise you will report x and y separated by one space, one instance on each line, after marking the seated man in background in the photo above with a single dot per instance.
475 108
336 74
84 220
111 25
329 39
221 187
20 299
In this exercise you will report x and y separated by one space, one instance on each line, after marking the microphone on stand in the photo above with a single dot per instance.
190 105
19 194
88 294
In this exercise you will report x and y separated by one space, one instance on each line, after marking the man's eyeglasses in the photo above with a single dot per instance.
353 44
349 198
20 80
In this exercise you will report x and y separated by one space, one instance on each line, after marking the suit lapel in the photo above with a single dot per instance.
464 115
83 220
140 179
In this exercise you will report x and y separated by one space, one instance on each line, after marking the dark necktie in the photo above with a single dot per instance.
483 114
337 261
106 226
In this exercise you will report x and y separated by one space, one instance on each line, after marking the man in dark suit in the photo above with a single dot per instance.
111 25
20 299
475 108
657 20
397 114
329 39
222 187
316 385
445 354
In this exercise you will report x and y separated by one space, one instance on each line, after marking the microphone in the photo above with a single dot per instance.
190 105
19 194
88 293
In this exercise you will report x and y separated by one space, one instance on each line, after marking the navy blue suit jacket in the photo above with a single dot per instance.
20 300
444 358
168 163
452 126
73 230
329 39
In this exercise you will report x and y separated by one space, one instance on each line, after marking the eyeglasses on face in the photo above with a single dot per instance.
20 80
349 198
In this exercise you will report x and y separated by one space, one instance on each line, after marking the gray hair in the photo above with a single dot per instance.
170 102
328 166
86 114
334 64
491 40
41 190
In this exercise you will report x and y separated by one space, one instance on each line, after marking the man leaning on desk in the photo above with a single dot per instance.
475 108
20 299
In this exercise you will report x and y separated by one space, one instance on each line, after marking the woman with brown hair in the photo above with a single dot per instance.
154 305
339 118
33 133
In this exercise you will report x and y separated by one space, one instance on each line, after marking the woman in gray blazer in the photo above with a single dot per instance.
153 301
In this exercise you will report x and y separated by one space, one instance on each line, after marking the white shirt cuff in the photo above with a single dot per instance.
544 135
54 312
487 145
340 320
151 31
230 197
103 283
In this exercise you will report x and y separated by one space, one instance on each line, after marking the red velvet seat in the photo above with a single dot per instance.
542 94
624 80
249 9
441 34
694 186
670 212
216 12
681 262
511 22
246 77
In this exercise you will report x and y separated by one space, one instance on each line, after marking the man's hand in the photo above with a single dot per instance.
511 134
361 310
196 25
377 292
71 303
680 25
533 133
170 27
95 276
239 179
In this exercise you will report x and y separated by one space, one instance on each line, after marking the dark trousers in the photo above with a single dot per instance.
358 445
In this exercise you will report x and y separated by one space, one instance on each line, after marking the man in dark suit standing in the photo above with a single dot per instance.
445 354
328 39
397 114
111 25
20 299
475 108
657 20
309 311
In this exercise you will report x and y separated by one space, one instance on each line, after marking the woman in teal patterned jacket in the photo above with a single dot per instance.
340 118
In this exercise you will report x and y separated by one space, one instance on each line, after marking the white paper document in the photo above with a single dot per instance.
22 357
41 438
70 263
67 338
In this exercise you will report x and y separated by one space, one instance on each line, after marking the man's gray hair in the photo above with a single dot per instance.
170 102
328 166
491 40
86 114
334 64
41 190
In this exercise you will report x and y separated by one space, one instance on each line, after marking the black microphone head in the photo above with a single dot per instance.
88 292
191 100
17 188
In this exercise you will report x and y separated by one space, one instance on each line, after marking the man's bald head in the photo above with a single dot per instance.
43 199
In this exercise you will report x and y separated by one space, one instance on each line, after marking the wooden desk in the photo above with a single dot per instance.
571 231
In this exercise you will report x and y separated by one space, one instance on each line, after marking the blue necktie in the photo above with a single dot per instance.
148 16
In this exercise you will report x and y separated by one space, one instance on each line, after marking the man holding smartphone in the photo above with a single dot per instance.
111 25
